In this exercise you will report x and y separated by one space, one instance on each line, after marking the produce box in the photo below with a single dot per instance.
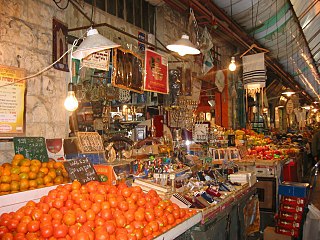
114 171
12 202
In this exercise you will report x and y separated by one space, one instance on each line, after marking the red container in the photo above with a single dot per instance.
290 172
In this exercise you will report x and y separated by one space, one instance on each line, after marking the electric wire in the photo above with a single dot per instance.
59 1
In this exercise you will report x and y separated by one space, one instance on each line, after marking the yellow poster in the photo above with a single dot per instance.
12 90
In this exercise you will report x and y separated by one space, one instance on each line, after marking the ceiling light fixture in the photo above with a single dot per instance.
232 65
94 42
288 92
183 46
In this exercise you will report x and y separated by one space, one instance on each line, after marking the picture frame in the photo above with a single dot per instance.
128 70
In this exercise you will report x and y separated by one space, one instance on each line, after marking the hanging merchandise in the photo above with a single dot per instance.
193 29
254 73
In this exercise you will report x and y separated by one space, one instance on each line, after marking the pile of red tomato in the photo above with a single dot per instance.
94 211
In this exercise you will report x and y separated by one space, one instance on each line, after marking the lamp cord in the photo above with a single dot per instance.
59 1
48 67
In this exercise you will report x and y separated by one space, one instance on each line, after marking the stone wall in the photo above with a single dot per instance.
26 42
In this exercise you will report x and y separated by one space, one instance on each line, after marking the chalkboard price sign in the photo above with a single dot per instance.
31 147
81 169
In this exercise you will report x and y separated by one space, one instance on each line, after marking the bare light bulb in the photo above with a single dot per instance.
71 102
232 65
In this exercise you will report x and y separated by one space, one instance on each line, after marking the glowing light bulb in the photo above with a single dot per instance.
71 102
232 65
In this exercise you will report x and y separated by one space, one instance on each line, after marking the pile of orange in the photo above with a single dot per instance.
24 174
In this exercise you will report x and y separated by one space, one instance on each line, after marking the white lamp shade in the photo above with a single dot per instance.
183 46
288 92
94 42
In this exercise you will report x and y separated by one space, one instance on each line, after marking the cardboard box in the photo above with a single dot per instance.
114 171
270 234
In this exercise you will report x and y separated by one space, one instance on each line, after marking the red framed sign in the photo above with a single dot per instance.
156 78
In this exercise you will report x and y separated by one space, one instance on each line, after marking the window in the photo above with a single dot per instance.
137 12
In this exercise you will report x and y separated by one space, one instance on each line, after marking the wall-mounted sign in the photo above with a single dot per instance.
98 60
59 46
156 79
12 95
128 70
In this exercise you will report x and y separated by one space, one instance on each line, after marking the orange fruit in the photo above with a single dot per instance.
47 179
57 165
50 165
41 186
15 177
52 173
25 162
24 176
32 175
15 162
45 170
49 184
24 169
58 180
18 156
40 174
34 168
40 181
44 164
32 184
6 170
4 187
65 173
36 162
24 184
15 186
15 169
5 179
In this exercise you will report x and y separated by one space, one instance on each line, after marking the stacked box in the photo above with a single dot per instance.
293 203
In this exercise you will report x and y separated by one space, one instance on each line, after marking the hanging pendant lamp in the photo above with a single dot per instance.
183 46
94 42
288 92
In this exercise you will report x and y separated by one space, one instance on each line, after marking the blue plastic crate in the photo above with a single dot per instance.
294 189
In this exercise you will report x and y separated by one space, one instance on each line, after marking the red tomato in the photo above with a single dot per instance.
132 236
73 230
99 221
106 214
33 226
96 207
85 205
91 215
138 232
46 231
141 202
81 216
154 225
158 211
60 231
149 215
129 215
7 236
3 230
56 214
26 219
110 227
36 214
19 236
12 224
171 218
176 213
22 227
58 203
121 221
44 207
69 219
113 202
18 215
101 234
139 215
105 205
147 231
82 236
123 206
126 192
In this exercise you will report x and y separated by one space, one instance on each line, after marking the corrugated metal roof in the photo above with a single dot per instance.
289 29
